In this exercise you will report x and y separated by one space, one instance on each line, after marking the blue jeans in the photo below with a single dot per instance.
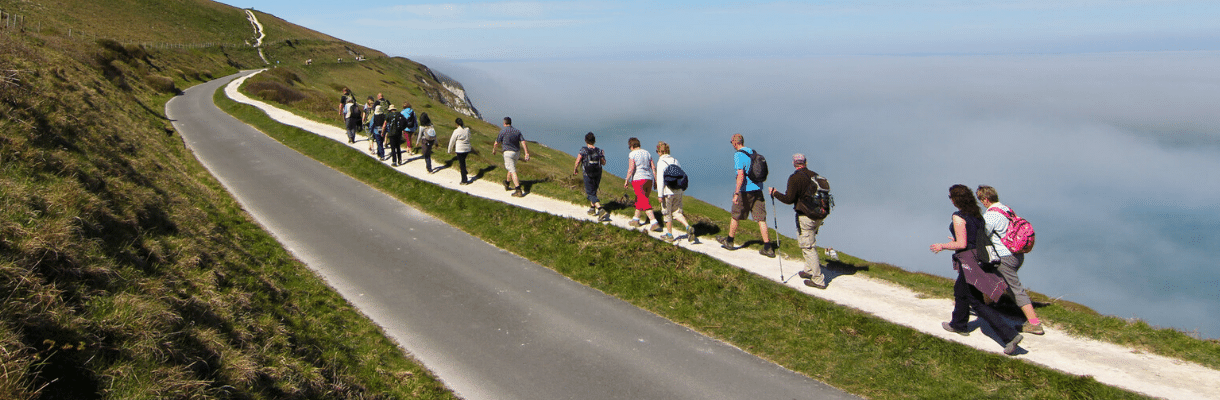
376 133
591 185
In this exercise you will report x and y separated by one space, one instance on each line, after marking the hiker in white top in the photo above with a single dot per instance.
997 227
460 142
671 198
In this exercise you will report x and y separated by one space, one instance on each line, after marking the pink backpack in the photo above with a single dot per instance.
1020 236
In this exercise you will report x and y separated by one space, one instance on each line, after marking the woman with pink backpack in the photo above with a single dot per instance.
1003 238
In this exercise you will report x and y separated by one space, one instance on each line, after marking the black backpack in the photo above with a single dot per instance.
593 161
758 167
394 123
675 177
820 201
410 121
355 112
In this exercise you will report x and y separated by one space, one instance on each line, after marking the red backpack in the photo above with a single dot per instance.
1020 236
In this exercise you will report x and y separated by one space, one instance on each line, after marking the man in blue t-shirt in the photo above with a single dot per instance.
748 199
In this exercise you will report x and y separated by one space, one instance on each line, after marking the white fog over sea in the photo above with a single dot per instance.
1111 156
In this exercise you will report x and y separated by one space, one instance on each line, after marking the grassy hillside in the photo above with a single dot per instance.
127 271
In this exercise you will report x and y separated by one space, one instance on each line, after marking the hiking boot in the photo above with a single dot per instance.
635 223
508 185
668 238
767 250
1011 347
1031 328
692 239
604 218
950 329
804 274
518 192
726 243
656 228
592 211
600 211
814 285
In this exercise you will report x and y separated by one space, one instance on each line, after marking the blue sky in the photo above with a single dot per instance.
514 30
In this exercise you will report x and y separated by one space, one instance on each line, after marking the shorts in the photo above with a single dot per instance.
510 161
643 188
750 204
672 205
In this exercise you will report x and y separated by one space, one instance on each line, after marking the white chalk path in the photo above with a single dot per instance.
259 32
1108 363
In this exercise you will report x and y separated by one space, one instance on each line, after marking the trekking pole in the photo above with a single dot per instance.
779 255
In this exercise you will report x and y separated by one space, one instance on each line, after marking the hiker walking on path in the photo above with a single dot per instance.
421 134
513 142
748 201
344 96
592 159
640 176
393 128
409 125
460 142
967 222
427 139
380 107
996 219
671 196
352 113
367 122
802 188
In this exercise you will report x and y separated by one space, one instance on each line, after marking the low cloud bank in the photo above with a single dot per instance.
1110 156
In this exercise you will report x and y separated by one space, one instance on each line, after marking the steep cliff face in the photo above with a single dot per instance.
451 93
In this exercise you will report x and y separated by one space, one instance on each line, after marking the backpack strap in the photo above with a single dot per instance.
813 176
1005 214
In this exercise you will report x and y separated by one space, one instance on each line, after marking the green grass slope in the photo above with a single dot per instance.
126 270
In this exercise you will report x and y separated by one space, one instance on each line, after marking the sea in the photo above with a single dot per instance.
1110 156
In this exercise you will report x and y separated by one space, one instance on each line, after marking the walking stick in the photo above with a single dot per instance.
778 256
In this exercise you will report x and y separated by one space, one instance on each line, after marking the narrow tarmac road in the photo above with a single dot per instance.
490 324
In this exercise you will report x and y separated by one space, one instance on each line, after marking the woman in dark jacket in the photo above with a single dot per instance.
966 223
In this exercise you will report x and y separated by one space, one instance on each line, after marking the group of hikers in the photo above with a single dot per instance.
987 267
389 128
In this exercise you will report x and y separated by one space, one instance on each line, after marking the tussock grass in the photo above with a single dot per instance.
846 348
